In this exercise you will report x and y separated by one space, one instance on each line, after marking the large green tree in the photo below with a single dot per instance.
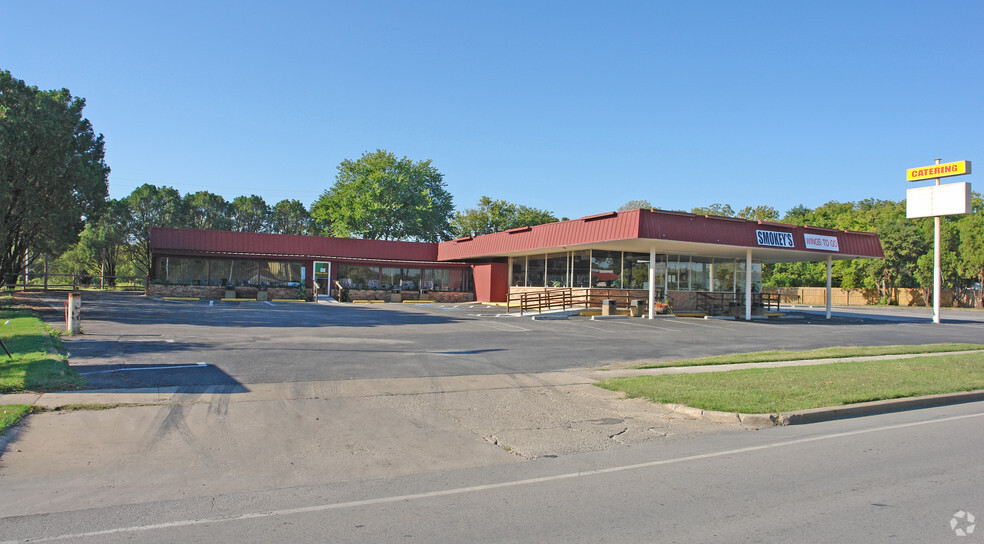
496 216
250 214
971 246
380 196
53 176
635 205
152 206
723 210
205 210
290 217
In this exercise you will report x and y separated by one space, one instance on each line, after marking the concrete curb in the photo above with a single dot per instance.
829 413
877 407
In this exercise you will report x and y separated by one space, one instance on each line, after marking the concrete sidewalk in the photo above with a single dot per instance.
216 440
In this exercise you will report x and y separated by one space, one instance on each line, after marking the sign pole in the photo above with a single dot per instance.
937 272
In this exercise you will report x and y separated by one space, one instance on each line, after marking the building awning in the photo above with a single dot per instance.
670 232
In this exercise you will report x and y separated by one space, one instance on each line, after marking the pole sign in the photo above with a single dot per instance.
934 171
937 200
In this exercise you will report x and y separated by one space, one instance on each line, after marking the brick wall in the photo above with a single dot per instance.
215 293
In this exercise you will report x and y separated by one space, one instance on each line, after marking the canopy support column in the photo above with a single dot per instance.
652 282
830 260
748 284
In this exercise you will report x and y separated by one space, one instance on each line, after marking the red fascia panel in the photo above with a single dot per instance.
742 233
650 224
263 244
623 226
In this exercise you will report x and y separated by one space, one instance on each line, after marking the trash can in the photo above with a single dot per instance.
608 307
637 307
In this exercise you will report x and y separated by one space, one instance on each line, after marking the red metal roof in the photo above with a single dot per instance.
662 226
215 242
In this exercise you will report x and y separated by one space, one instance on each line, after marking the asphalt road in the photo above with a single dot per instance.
133 341
891 478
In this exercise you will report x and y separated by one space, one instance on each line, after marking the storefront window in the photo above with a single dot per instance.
353 276
535 268
606 268
636 267
756 277
557 270
700 273
581 269
724 275
518 277
673 272
183 271
278 273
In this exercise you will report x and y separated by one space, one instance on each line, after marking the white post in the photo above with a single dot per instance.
830 261
711 273
748 284
937 273
652 282
73 313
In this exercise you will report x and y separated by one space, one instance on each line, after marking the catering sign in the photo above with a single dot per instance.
774 239
934 171
822 243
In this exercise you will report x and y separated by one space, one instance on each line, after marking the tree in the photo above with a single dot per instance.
382 197
758 213
723 210
151 206
971 247
496 216
207 210
635 205
53 176
290 217
250 214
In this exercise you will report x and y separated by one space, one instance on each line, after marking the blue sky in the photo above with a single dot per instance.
575 107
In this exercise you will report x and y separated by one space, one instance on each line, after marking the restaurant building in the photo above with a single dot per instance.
654 255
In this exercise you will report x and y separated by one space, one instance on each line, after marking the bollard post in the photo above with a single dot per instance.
73 313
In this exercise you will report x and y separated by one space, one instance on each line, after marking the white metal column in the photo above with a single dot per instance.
652 282
748 284
830 260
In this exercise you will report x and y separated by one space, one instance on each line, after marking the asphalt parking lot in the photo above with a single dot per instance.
132 341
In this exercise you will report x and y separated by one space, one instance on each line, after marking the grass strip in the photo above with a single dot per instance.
10 414
37 364
823 353
774 390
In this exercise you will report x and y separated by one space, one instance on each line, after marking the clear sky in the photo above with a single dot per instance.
574 107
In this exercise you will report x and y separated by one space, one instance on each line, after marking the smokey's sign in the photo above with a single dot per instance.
774 238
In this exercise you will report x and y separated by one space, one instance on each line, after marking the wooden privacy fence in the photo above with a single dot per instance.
817 296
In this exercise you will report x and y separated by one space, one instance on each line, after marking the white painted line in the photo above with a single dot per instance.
646 326
606 331
514 328
268 302
196 365
684 322
486 487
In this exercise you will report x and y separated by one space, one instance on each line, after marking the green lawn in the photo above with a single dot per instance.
10 414
824 353
37 363
774 390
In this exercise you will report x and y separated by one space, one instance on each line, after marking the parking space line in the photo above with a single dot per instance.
515 328
622 322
